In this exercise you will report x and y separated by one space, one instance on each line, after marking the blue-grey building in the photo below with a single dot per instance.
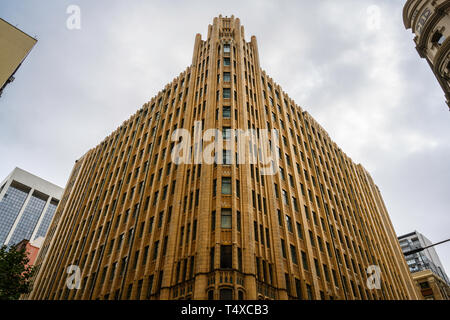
27 206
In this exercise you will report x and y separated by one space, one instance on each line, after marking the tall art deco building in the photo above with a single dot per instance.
139 226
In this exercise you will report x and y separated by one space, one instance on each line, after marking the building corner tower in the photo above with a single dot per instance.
429 20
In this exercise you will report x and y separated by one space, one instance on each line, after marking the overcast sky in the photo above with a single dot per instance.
361 78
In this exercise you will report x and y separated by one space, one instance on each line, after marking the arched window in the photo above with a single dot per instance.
438 38
226 294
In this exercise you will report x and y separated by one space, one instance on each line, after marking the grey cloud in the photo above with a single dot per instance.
368 88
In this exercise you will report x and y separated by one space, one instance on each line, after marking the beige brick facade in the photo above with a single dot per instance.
141 227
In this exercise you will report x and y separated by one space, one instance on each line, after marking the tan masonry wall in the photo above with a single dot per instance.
141 227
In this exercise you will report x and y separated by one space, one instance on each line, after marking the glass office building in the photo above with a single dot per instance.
27 206
427 259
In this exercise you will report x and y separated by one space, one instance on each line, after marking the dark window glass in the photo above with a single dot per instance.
226 260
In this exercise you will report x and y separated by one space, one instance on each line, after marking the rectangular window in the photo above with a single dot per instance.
194 230
289 223
226 186
311 237
155 250
226 77
298 288
181 236
317 267
161 219
295 203
239 259
319 241
283 248
113 270
122 265
328 249
226 294
299 231
261 232
155 198
150 225
119 243
304 261
226 133
325 271
165 246
226 48
267 238
315 218
136 259
226 219
309 292
227 159
144 259
226 93
336 283
213 220
164 195
238 220
302 187
226 61
226 111
226 261
288 283
111 246
285 198
139 289
293 254
211 259
191 268
306 211
197 195
105 270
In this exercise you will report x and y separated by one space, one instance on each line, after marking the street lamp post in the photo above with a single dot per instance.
423 248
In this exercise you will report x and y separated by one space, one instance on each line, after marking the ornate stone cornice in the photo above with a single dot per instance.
439 12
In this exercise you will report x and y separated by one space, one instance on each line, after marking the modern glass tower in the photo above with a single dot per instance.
138 223
27 206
